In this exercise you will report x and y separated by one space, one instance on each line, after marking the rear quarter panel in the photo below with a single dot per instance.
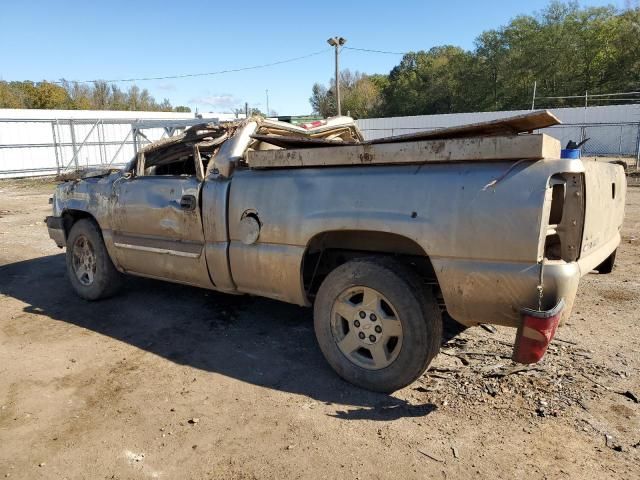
444 208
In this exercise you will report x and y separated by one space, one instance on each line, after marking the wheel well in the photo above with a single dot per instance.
72 216
329 250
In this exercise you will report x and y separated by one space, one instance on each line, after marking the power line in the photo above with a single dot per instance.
189 75
376 51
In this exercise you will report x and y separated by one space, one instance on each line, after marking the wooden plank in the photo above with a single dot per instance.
514 147
503 126
298 142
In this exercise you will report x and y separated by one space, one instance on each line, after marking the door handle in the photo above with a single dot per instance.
188 202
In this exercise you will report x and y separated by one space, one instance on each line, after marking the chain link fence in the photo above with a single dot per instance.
604 139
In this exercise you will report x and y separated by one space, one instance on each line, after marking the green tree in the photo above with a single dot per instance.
118 98
625 43
566 49
147 102
133 98
101 95
490 64
165 106
26 92
362 98
433 81
79 94
50 96
322 101
359 95
10 97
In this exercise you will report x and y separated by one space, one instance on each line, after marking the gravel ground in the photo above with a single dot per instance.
167 381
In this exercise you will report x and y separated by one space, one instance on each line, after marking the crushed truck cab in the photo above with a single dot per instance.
383 237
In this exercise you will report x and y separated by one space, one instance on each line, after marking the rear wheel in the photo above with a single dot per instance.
89 266
376 323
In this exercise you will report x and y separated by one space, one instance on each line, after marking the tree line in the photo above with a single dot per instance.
566 49
98 95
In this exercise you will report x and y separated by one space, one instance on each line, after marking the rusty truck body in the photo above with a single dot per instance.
382 238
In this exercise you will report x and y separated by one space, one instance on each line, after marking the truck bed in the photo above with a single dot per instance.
485 148
496 140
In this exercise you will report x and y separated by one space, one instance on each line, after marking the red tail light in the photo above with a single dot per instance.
535 333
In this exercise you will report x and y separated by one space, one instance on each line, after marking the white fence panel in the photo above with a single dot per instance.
41 142
50 141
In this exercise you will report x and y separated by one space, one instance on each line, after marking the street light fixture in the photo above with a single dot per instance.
337 42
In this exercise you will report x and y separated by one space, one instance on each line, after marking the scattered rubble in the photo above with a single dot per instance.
476 371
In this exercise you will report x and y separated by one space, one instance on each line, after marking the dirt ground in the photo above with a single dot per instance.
167 381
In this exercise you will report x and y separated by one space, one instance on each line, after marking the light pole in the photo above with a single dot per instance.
337 42
267 92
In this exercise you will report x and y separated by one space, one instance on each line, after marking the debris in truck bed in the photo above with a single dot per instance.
299 142
335 128
488 141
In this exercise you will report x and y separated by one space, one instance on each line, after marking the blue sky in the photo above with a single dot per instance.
83 40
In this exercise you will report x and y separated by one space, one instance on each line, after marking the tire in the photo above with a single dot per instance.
608 264
342 313
89 267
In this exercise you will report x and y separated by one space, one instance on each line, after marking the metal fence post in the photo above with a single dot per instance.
55 147
638 148
61 144
73 142
583 132
134 132
100 142
620 140
103 147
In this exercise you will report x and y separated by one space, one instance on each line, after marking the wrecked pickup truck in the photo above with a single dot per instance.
483 223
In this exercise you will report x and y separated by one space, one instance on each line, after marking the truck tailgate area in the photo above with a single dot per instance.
605 192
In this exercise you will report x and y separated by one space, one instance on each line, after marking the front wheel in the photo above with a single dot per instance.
89 266
376 323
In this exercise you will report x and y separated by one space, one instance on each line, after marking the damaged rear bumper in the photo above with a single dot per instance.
55 225
495 292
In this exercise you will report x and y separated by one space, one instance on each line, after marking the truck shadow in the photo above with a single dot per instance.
255 340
